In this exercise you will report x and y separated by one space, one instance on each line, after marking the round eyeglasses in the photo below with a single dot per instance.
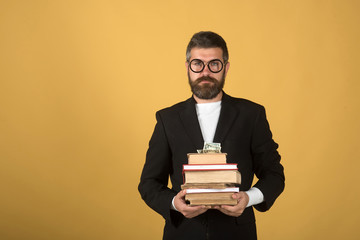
197 65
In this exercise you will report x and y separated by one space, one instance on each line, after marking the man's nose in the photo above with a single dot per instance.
206 70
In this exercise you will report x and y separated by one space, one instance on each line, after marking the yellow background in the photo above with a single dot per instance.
80 82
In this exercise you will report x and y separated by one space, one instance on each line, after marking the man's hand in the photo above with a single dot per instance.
239 208
186 210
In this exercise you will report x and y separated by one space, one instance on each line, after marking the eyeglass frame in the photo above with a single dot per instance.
207 64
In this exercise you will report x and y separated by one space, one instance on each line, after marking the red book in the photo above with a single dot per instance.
209 167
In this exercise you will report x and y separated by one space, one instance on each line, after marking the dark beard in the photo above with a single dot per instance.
208 90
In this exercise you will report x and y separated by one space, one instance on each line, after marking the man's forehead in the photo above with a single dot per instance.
212 53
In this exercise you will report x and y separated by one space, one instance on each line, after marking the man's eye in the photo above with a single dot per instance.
197 63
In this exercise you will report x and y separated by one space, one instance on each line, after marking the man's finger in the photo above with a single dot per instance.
236 196
228 207
182 194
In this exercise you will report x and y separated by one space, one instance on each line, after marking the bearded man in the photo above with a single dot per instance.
211 115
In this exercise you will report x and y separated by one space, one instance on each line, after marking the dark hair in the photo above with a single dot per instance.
207 40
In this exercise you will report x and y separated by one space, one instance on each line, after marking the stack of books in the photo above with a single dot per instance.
210 180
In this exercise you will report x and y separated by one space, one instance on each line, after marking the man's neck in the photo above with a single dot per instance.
215 99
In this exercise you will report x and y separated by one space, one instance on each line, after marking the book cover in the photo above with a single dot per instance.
206 158
201 167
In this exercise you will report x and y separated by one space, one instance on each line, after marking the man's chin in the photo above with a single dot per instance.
206 95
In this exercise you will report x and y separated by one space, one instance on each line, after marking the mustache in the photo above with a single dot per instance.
205 78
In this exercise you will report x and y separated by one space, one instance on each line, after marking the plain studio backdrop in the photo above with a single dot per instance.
80 82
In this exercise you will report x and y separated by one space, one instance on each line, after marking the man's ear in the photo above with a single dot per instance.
187 66
227 66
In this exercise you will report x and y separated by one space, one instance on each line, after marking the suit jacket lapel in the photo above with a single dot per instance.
227 117
191 124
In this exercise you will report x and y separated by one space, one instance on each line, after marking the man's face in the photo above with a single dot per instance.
206 84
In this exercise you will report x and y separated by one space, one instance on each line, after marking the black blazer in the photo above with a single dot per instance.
245 136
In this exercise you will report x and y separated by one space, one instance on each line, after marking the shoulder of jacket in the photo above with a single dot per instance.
174 108
244 103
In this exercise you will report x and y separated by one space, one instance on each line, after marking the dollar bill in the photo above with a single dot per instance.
210 148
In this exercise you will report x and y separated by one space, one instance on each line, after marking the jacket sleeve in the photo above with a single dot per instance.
154 178
266 160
